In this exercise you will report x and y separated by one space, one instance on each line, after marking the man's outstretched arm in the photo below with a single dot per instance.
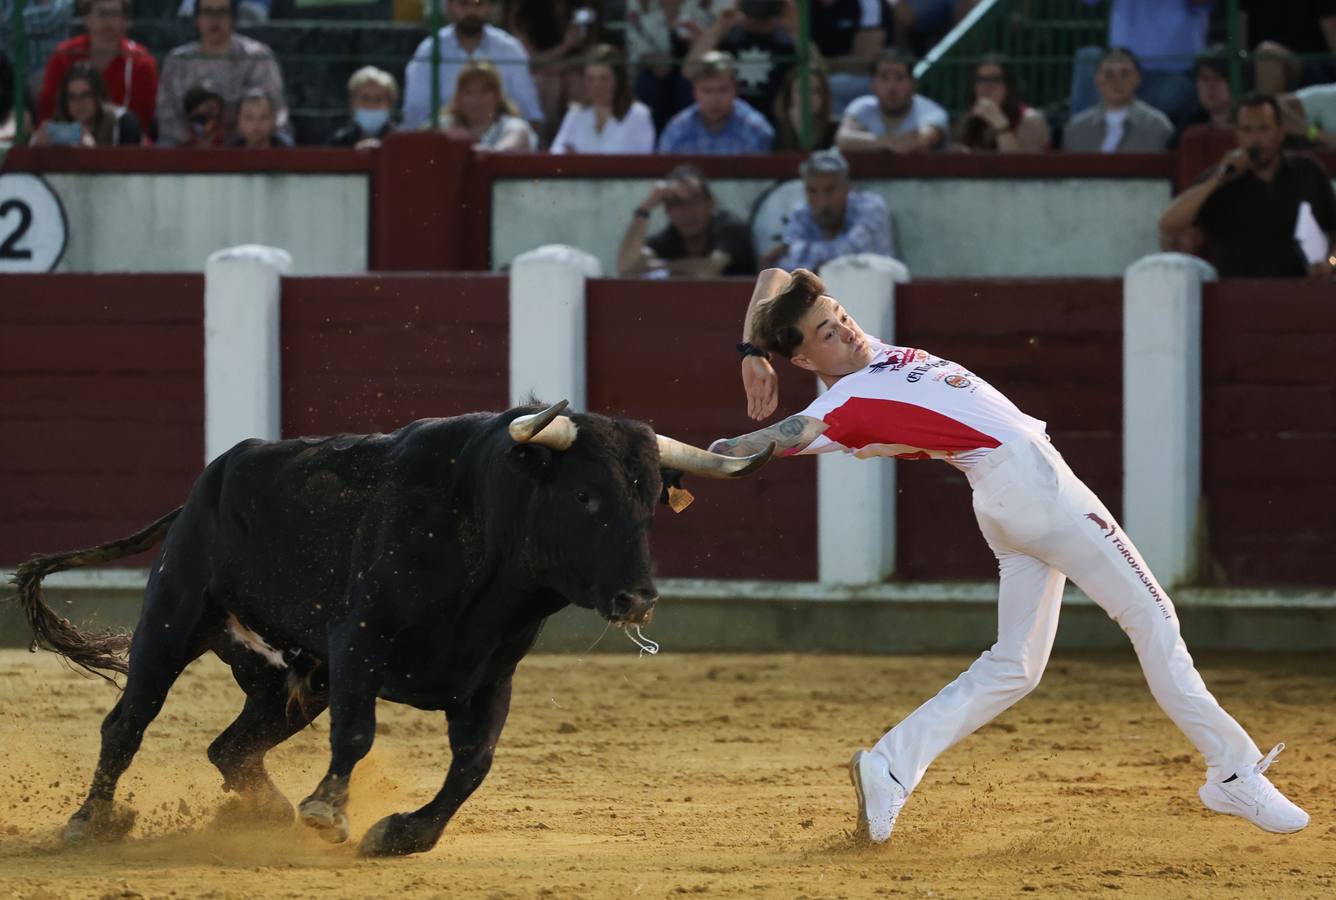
758 376
790 438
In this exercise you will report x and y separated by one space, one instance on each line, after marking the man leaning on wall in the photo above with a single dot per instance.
699 241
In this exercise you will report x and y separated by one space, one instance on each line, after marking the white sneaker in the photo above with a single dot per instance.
880 797
1252 796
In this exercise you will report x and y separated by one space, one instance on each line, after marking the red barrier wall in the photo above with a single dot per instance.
1054 346
101 403
101 406
662 352
374 353
1269 431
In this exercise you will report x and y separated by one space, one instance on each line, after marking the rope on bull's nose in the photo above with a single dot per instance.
644 643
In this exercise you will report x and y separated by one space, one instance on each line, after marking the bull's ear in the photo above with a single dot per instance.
673 495
534 460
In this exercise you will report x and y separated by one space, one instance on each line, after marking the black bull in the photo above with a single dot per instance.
416 566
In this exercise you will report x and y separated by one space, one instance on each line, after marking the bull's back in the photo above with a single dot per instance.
279 521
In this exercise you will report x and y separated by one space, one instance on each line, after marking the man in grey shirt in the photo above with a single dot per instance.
894 117
1119 123
230 63
467 39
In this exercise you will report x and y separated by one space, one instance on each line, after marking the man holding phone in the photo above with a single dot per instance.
1249 206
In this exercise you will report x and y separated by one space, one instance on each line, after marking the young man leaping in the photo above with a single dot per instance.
1042 523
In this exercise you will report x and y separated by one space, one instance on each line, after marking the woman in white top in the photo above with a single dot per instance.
610 121
483 115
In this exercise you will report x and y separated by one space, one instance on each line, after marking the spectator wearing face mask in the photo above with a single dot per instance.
202 110
372 95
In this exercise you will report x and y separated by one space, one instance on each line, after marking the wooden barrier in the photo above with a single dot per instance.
101 403
374 353
1269 431
101 406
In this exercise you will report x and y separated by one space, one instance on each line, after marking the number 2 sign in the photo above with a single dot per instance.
33 229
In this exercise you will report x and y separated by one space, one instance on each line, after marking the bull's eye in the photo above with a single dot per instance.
582 496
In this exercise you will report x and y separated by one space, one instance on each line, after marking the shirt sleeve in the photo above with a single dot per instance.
668 141
1323 200
639 129
732 237
56 67
417 89
519 84
820 409
171 118
266 75
144 89
561 143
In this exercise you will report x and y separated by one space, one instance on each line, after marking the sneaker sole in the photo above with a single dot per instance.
863 831
1205 798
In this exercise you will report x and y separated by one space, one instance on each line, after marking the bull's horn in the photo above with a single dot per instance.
549 428
695 461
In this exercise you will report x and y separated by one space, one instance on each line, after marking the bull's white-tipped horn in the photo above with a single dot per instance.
695 461
549 428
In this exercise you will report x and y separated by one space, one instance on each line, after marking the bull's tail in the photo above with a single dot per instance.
96 651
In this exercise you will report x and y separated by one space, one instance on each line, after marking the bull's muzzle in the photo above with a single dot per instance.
632 607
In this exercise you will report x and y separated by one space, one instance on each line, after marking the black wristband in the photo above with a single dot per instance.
641 213
747 348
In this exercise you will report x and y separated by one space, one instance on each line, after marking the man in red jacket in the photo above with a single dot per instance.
129 70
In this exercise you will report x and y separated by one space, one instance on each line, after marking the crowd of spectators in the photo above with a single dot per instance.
717 77
693 76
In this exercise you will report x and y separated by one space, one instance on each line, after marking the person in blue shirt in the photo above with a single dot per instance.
894 117
467 39
719 122
832 220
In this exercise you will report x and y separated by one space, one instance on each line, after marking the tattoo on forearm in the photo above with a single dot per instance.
789 436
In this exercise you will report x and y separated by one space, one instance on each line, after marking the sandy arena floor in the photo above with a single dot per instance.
678 775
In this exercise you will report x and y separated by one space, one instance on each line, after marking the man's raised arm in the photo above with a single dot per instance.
790 438
758 376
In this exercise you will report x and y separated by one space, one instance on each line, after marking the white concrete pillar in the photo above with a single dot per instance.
1162 410
547 324
856 497
242 389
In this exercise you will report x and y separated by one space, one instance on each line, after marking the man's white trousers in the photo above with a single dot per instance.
1044 526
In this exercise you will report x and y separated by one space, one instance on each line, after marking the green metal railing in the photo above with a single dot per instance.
1040 39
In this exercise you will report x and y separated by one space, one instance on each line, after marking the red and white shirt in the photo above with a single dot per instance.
910 404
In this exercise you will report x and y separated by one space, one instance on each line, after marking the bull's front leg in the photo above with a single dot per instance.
356 668
474 731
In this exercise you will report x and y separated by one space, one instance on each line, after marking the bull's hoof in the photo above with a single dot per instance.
396 835
103 824
266 808
328 821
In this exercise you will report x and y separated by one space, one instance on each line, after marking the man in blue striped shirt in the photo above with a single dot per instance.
718 122
833 220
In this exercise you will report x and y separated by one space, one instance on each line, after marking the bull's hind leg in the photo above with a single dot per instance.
272 714
474 731
168 638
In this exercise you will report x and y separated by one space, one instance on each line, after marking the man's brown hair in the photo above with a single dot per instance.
774 325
